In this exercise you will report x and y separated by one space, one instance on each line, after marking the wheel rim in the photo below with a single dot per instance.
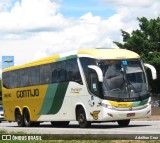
26 117
19 118
81 118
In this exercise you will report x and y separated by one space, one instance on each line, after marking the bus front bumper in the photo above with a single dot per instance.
114 115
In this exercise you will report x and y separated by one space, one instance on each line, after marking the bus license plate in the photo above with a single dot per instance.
130 114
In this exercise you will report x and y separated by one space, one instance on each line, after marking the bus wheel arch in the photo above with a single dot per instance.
81 117
19 117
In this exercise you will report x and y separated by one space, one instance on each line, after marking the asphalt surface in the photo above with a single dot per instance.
135 127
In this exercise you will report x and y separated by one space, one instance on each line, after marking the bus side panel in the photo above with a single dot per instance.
26 97
73 94
53 102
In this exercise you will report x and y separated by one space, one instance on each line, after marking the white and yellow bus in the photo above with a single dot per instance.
88 86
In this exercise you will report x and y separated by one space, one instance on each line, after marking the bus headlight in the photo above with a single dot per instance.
107 106
110 107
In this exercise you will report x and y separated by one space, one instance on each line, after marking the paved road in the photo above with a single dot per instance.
135 127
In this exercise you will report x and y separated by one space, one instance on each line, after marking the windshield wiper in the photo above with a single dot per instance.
135 91
129 83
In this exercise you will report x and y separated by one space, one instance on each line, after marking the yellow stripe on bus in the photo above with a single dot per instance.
120 104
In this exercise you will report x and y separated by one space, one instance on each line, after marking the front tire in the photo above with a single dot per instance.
81 117
123 123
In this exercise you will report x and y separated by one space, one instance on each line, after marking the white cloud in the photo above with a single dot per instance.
89 31
34 29
32 15
39 55
130 10
128 3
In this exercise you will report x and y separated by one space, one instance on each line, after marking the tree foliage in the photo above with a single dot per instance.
146 42
0 91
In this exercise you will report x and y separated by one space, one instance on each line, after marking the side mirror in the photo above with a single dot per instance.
153 70
98 71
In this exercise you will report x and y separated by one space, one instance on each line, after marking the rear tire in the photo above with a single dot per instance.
60 123
81 118
19 118
123 123
27 120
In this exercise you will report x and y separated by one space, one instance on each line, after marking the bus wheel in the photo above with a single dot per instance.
81 117
60 123
123 123
19 118
26 117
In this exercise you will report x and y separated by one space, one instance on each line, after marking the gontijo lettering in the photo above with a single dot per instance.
27 93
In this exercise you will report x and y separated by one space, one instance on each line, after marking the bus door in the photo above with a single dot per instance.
95 89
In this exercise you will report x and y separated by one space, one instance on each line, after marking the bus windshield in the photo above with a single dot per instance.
123 78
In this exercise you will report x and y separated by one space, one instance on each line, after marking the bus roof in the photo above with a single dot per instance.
110 53
94 53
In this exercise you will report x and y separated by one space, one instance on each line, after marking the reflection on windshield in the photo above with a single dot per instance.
123 79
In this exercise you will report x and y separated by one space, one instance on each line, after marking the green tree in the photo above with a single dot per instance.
0 92
146 42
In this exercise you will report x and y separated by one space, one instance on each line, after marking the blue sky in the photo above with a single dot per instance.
72 8
8 4
77 8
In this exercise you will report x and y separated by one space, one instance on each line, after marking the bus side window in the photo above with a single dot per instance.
22 78
58 72
34 75
6 79
72 71
45 74
54 73
91 76
93 82
13 79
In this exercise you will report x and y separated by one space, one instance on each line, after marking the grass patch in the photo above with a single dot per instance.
84 141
